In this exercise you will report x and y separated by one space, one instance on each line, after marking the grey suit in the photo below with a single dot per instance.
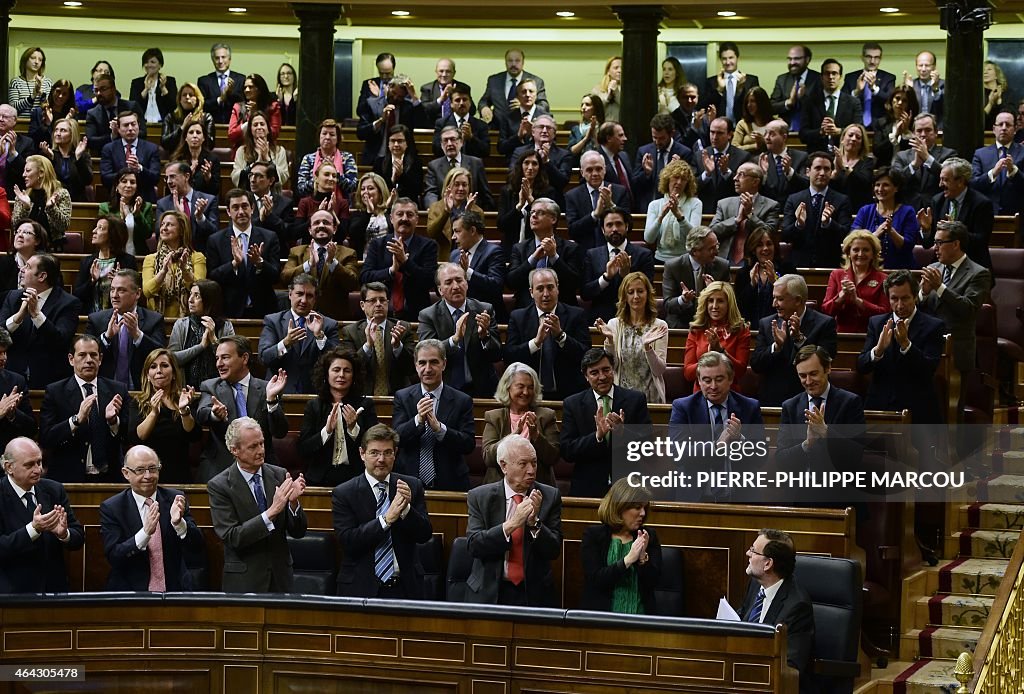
488 545
256 559
398 367
765 211
479 355
216 457
958 308
678 314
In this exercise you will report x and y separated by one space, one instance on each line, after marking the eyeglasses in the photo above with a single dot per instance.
24 232
387 453
939 242
754 551
152 470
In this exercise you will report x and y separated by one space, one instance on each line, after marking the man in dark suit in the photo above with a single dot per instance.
41 318
770 563
254 506
333 268
514 532
453 155
402 107
101 121
237 393
476 138
545 250
871 86
606 266
514 131
379 518
499 95
549 336
435 423
556 162
902 350
17 148
959 202
373 93
718 164
245 260
294 339
129 151
437 96
792 86
821 428
816 220
727 90
828 109
921 165
127 332
691 123
274 211
16 417
997 168
384 344
222 88
737 216
717 414
929 87
780 337
404 262
469 331
147 530
953 289
37 524
785 169
611 140
655 156
482 261
685 277
83 420
587 202
591 418
200 208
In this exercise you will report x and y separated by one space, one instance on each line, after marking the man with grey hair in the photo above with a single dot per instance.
200 208
543 250
554 160
740 214
514 532
686 276
585 203
921 165
781 336
785 169
435 423
222 88
451 141
16 147
957 201
16 418
254 507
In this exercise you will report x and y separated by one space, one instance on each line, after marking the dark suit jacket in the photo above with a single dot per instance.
681 270
784 87
601 578
611 175
97 124
436 322
905 380
216 457
41 354
417 273
28 566
790 606
112 160
958 308
249 281
14 173
23 421
409 114
151 324
201 231
359 531
779 189
209 85
841 450
979 216
256 560
478 146
495 95
66 449
715 186
400 369
568 267
592 459
645 185
815 245
603 301
319 454
886 82
455 411
922 185
431 91
437 169
691 419
488 281
165 102
1007 195
280 219
848 110
410 183
522 327
299 360
558 167
488 546
779 381
129 565
711 95
584 229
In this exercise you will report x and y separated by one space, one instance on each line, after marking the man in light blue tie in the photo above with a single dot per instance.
727 89
996 168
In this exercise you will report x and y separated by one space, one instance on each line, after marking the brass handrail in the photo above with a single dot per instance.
999 656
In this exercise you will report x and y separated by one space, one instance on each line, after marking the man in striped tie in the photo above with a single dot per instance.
380 517
774 596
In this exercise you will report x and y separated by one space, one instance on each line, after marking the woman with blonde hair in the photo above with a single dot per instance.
457 196
854 165
856 291
638 338
997 91
519 392
69 153
671 217
610 89
168 274
370 219
189 109
44 200
717 326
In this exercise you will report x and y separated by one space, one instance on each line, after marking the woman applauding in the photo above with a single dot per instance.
519 391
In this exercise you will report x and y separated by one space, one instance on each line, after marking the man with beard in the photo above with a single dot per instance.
333 267
605 266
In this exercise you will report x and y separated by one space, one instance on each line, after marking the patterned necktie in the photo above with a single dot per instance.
427 440
717 422
157 580
380 375
621 171
240 400
954 208
127 151
384 555
244 240
548 354
947 273
755 612
516 572
257 490
321 260
122 370
780 170
1002 174
816 201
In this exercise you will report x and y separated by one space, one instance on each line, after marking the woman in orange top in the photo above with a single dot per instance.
856 291
719 326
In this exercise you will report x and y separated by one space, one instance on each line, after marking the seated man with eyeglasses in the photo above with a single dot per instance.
147 530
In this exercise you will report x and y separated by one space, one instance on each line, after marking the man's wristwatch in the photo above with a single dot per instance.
74 420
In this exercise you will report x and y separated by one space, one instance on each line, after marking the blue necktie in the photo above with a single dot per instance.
122 370
593 197
427 471
257 490
460 373
240 401
867 105
780 171
1002 174
384 555
717 422
755 612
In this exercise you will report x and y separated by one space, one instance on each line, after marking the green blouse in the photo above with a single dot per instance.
626 595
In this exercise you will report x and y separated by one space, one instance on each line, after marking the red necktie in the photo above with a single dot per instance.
127 151
157 581
515 552
184 208
738 242
621 170
398 293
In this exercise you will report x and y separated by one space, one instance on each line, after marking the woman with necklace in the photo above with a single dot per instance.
92 287
856 291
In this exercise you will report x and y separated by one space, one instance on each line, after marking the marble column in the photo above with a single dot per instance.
5 46
963 114
639 70
316 71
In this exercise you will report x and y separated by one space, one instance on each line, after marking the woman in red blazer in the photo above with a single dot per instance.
719 326
856 290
